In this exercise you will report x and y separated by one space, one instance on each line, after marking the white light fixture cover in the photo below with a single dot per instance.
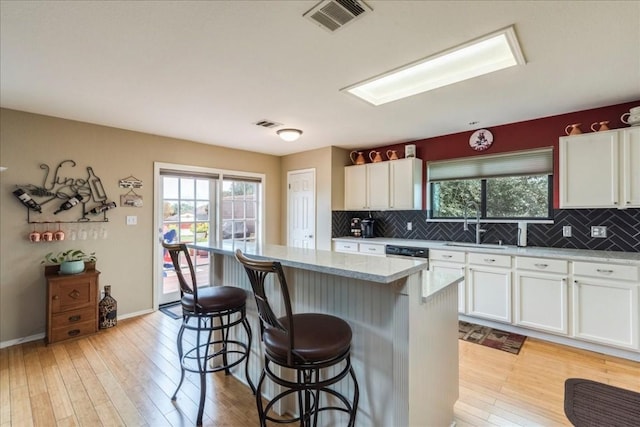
493 52
289 135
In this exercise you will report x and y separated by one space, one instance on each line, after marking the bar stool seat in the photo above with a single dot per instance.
208 311
318 337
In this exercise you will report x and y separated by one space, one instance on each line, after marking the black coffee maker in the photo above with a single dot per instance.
367 226
355 230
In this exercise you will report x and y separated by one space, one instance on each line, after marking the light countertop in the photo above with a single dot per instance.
531 251
370 268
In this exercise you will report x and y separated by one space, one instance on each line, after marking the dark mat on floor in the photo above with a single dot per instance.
173 310
489 337
590 403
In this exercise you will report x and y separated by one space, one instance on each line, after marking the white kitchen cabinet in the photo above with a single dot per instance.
395 184
600 169
377 249
454 262
405 184
541 294
489 286
605 303
340 246
630 163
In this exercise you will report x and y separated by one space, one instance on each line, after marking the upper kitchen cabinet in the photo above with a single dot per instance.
600 169
394 184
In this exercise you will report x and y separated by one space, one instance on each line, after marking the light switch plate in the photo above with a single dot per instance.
599 231
132 220
409 226
566 231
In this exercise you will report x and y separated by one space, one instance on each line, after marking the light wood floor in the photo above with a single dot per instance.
126 375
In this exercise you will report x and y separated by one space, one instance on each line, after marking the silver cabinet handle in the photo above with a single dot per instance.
446 256
599 270
540 265
371 249
489 260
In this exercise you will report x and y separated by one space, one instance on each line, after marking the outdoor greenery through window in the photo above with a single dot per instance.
514 186
514 197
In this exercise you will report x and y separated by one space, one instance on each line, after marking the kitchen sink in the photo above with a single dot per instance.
476 245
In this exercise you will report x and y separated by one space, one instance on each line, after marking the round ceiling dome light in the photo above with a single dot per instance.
289 135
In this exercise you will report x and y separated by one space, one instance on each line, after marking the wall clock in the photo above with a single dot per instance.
481 140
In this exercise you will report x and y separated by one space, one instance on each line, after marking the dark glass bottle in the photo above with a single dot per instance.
27 200
102 208
108 310
69 203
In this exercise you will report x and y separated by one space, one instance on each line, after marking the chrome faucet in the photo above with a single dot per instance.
479 230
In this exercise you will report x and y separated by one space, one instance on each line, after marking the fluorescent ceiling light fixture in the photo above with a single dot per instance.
493 52
289 135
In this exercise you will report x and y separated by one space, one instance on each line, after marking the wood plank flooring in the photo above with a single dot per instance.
124 376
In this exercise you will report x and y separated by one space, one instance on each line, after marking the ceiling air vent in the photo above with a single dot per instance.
335 14
267 124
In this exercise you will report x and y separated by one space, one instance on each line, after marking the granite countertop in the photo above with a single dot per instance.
371 268
532 251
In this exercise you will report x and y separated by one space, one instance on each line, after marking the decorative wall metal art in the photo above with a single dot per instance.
70 191
131 199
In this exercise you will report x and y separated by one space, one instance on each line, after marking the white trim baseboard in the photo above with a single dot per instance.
41 335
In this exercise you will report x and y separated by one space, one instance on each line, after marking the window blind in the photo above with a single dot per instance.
188 174
532 162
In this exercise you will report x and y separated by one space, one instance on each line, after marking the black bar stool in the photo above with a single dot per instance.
316 346
208 310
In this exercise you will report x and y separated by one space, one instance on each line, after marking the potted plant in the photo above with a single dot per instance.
71 261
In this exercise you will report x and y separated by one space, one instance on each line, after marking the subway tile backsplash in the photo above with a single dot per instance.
623 228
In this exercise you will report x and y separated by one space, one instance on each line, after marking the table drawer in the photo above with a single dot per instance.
70 318
493 260
73 331
451 256
372 249
345 246
606 271
543 265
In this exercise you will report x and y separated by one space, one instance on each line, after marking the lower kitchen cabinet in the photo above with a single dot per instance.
453 262
490 286
605 307
541 294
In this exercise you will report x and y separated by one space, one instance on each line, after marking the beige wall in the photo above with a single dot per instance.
329 165
125 257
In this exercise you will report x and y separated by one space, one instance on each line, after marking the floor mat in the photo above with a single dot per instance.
590 403
173 310
489 337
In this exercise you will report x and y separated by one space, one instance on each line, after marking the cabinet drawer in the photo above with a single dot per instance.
606 271
70 318
372 249
543 265
73 331
451 256
345 246
493 260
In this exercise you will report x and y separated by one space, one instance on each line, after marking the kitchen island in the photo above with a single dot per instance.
404 322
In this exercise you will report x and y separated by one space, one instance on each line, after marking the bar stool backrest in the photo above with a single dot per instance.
258 271
175 249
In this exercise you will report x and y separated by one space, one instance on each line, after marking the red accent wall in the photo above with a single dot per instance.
530 134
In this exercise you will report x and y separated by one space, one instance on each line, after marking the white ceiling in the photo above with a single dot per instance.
206 71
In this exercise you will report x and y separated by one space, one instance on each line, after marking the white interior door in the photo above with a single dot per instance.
302 208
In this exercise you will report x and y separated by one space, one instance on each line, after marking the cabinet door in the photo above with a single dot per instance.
453 268
405 184
630 168
606 312
490 293
541 302
355 187
378 185
589 170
